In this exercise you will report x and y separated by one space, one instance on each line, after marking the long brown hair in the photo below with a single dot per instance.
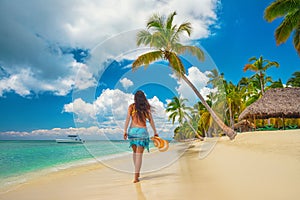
142 106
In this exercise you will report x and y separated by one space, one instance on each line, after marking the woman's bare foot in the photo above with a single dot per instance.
136 177
136 180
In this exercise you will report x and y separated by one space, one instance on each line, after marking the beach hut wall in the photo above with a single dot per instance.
277 103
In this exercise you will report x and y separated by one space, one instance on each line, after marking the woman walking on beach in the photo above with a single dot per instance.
138 113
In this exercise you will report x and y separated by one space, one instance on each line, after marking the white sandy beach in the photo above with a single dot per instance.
258 165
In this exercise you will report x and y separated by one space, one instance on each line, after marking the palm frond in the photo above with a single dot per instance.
252 59
290 22
176 64
280 8
250 67
270 64
268 79
158 40
156 22
146 59
294 81
170 20
173 117
144 37
296 39
185 27
174 28
194 51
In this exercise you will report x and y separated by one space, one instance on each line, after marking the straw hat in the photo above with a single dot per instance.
161 144
165 146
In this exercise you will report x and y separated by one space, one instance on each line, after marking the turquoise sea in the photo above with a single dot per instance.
20 160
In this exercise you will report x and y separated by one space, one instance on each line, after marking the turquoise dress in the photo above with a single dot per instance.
139 137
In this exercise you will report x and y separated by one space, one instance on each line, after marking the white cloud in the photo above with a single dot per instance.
199 80
104 118
25 81
88 133
109 111
113 102
84 111
92 132
159 108
33 34
110 105
83 78
126 83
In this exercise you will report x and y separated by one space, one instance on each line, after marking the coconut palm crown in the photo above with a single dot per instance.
178 109
164 38
294 81
260 66
290 11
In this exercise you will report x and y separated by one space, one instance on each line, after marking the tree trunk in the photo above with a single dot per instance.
209 132
228 131
261 84
205 133
231 117
283 122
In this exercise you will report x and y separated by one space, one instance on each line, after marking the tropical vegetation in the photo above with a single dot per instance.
294 81
260 66
164 38
217 113
290 11
238 97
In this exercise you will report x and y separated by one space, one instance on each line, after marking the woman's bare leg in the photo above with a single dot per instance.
134 154
138 162
134 148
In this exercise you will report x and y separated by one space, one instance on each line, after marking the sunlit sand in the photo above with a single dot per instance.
256 165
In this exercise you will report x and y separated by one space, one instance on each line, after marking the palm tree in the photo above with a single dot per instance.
205 119
260 66
164 38
295 80
179 110
216 79
276 84
290 10
219 97
234 98
250 90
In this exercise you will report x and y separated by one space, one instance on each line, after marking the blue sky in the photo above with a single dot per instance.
69 68
243 34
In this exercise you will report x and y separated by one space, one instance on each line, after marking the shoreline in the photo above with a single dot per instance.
256 165
12 182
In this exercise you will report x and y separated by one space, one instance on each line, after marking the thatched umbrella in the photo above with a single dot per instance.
277 103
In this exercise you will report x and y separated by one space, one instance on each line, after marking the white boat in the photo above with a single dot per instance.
70 139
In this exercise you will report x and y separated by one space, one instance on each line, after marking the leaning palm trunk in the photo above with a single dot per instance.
228 131
164 37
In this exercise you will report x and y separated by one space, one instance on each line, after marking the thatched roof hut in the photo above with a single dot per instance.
277 103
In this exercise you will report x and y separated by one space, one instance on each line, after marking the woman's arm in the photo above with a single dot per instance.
127 122
152 124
